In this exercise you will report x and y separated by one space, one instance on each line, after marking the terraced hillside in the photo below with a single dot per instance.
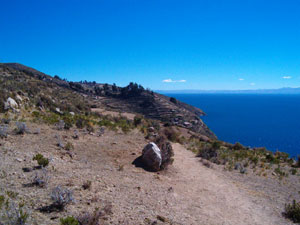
46 92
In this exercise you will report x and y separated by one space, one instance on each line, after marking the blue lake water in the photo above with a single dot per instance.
253 120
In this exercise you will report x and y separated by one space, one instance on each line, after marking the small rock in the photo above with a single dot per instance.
58 110
238 166
72 113
19 160
243 170
151 129
27 169
18 97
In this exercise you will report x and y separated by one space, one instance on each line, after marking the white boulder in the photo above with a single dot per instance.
151 156
10 104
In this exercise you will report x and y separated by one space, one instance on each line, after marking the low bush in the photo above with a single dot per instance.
292 211
2 200
298 162
279 172
3 131
238 146
172 99
137 120
87 185
94 217
171 134
293 171
167 152
14 214
60 125
69 146
60 197
21 128
207 152
40 179
70 220
41 160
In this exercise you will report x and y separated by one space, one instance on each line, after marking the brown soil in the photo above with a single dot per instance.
187 193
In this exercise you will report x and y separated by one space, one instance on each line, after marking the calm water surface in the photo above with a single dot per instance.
272 121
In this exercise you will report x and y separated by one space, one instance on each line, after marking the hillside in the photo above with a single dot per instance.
46 91
73 151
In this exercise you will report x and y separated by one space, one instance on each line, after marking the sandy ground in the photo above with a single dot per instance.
187 193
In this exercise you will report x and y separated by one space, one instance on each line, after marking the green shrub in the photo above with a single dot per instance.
14 214
124 124
69 146
293 171
279 172
12 194
216 145
80 123
68 122
36 114
237 146
272 159
41 160
172 99
298 162
254 159
2 200
292 211
137 120
89 127
70 220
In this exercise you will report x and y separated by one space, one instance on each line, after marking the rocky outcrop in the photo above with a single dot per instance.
151 157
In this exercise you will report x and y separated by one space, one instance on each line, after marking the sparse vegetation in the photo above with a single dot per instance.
13 213
61 196
279 172
171 134
40 179
2 200
70 220
41 160
293 171
94 217
292 211
229 155
87 185
167 152
69 146
3 131
21 128
172 99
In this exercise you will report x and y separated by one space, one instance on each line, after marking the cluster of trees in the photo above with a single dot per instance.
133 89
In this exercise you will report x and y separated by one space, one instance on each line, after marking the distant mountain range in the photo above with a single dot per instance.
286 90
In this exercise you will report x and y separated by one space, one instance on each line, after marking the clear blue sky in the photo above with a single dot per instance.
199 44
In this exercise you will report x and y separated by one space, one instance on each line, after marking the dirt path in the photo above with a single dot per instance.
188 193
211 197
